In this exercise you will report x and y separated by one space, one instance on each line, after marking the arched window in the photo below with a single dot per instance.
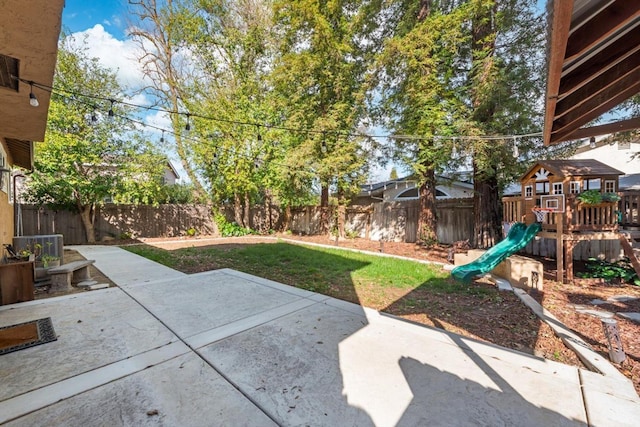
412 194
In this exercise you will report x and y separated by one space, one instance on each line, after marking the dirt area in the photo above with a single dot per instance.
513 326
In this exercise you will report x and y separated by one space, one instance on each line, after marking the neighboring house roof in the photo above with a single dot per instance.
406 182
173 169
629 182
570 167
380 189
592 64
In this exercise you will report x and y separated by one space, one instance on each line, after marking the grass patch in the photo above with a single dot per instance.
334 272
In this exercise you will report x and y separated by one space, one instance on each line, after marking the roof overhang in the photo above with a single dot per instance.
593 65
30 32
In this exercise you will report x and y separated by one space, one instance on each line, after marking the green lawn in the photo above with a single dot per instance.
339 273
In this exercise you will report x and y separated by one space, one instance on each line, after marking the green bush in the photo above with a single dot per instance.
590 197
610 197
230 229
594 197
617 271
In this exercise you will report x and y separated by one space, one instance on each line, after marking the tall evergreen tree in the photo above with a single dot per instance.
451 70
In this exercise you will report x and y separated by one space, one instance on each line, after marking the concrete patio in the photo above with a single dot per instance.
226 348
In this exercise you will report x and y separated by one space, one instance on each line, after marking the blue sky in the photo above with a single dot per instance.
80 15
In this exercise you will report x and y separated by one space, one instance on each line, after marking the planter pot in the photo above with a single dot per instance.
50 264
41 274
54 263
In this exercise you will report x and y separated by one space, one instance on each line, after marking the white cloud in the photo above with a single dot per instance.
118 55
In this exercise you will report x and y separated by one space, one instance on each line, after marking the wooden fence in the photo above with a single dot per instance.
397 221
393 221
119 221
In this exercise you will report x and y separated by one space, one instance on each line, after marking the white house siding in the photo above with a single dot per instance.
614 155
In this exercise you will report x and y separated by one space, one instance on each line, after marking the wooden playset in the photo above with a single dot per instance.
575 200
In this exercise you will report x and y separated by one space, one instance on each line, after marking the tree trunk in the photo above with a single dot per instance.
341 213
87 214
286 223
487 208
324 209
427 221
247 210
237 209
267 211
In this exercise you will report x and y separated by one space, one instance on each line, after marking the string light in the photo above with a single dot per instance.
94 118
111 113
516 152
259 135
188 126
162 137
33 100
592 142
285 128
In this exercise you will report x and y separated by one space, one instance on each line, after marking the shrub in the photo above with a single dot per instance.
620 270
590 197
230 229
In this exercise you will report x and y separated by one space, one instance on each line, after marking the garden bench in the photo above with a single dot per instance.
72 272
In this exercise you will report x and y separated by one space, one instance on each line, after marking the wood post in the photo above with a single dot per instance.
559 248
628 250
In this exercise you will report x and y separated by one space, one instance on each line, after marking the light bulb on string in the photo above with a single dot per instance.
516 152
33 100
188 125
162 137
454 151
323 144
259 135
592 142
94 117
111 113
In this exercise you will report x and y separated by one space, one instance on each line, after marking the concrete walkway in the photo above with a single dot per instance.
226 348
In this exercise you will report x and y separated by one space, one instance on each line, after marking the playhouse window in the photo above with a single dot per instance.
592 184
557 188
609 186
528 191
542 187
574 187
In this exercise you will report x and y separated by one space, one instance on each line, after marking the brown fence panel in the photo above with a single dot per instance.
118 221
455 220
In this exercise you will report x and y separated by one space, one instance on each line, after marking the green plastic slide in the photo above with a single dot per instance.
518 237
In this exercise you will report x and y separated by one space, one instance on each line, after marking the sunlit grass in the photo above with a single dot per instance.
334 272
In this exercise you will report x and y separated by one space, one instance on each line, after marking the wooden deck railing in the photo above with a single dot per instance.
629 206
581 217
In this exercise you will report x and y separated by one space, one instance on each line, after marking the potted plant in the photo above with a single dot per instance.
50 261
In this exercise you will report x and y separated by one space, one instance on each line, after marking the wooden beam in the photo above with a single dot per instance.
620 126
600 63
604 24
627 69
628 250
565 126
560 25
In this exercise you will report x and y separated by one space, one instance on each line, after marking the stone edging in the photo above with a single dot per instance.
587 355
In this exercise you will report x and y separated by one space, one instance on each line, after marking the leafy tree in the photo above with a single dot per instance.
83 161
393 174
319 78
467 68
159 33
